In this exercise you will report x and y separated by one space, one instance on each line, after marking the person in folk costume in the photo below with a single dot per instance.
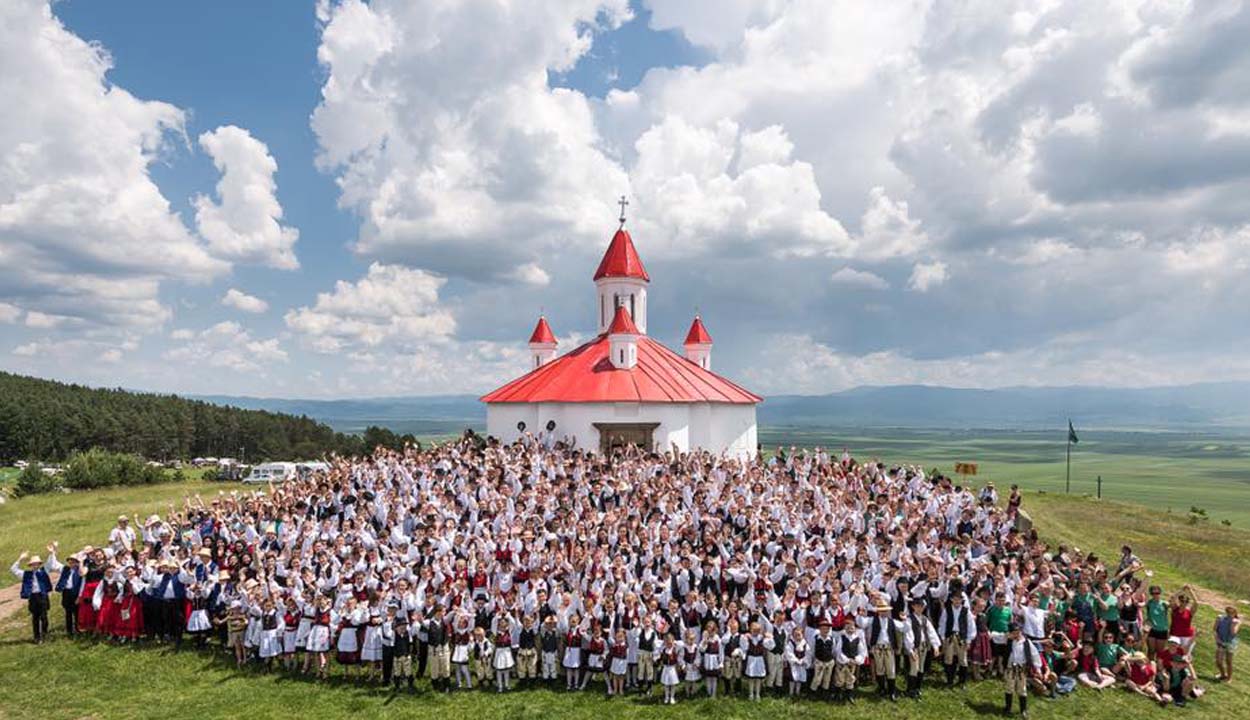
307 613
851 656
618 663
920 641
483 655
70 584
669 658
711 657
691 670
462 648
596 650
252 603
400 631
438 641
775 660
106 603
290 633
93 574
169 589
798 660
317 644
881 631
351 619
824 656
734 654
390 609
37 588
502 660
958 629
527 651
371 651
755 647
272 630
199 625
236 626
572 660
648 645
1023 660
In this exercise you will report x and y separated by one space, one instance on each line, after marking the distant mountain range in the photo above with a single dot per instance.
1187 407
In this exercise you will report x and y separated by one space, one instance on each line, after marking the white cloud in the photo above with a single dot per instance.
391 306
244 224
84 231
532 274
36 319
852 278
925 276
229 346
242 301
9 313
888 230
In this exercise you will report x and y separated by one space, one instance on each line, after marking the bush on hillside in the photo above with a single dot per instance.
98 468
34 481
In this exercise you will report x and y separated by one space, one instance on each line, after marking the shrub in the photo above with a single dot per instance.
34 481
98 468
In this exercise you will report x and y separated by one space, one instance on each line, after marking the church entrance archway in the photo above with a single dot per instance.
618 435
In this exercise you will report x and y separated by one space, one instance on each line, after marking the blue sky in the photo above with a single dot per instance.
343 199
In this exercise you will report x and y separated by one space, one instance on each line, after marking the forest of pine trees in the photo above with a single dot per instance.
47 420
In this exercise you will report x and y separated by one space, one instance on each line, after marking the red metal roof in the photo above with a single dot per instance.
622 323
542 332
586 374
698 334
621 259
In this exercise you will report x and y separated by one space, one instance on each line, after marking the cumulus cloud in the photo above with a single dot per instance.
242 301
227 345
390 306
851 278
927 275
9 313
84 231
243 224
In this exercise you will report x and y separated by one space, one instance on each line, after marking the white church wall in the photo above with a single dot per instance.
714 426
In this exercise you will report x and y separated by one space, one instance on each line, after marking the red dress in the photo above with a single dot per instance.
129 609
106 620
86 610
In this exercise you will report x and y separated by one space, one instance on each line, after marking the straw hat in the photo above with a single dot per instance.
33 561
204 553
882 607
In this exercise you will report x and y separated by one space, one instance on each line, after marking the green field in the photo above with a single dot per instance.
1164 471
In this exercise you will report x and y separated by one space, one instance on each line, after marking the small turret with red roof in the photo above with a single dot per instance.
542 343
698 344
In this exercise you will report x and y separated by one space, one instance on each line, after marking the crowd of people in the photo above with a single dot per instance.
476 564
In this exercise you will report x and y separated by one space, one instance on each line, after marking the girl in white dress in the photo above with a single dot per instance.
572 660
712 657
690 662
348 646
797 660
755 648
290 623
669 660
307 613
503 662
271 631
618 663
462 649
371 647
318 642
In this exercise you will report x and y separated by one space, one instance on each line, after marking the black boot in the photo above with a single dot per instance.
963 675
950 675
1007 704
892 687
1024 706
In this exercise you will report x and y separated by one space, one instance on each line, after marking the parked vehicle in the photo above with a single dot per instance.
271 472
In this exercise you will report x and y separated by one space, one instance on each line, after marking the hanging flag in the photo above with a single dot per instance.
1072 438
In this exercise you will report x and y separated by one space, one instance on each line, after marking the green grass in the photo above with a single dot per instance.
1164 471
83 517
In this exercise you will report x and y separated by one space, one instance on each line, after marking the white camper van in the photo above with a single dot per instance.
271 472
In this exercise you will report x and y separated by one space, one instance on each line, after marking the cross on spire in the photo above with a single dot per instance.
622 202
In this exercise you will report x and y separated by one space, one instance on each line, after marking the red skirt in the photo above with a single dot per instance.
106 621
86 611
129 623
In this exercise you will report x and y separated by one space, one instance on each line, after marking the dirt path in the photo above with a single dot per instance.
10 601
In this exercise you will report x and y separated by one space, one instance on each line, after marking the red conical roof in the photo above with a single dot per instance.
542 332
698 334
622 323
621 259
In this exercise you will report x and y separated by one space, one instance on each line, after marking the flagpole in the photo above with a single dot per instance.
1067 485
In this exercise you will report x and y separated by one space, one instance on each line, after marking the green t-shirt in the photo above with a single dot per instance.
998 619
1110 610
1157 612
1108 654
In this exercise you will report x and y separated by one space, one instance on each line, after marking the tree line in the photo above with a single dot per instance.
49 421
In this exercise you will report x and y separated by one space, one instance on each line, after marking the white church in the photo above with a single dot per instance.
623 387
